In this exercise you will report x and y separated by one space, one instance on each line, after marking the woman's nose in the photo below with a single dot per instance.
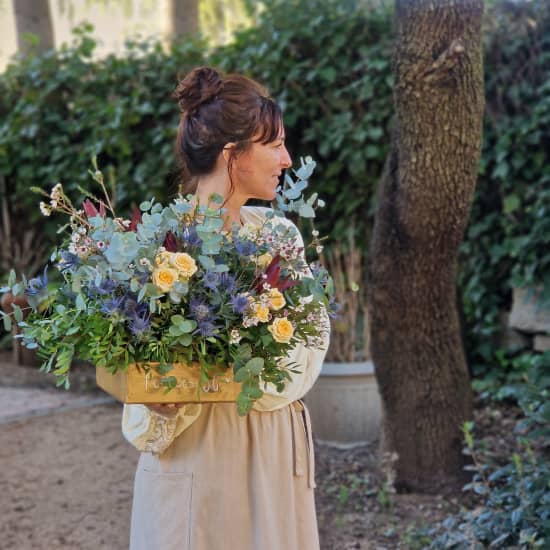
286 161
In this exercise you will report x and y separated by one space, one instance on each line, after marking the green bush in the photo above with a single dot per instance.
507 243
514 506
60 108
329 64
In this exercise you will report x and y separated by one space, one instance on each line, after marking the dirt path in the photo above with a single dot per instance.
66 481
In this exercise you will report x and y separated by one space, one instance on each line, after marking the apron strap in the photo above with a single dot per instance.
302 427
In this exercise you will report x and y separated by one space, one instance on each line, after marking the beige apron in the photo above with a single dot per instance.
230 482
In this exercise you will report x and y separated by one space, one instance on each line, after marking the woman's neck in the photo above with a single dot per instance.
219 184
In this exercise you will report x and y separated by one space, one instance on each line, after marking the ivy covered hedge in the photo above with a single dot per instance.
508 240
59 109
329 64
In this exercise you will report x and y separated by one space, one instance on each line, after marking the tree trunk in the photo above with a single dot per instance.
424 200
33 16
184 17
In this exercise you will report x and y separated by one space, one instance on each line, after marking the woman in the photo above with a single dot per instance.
207 478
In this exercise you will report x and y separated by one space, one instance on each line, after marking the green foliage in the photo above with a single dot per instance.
515 506
514 492
507 243
60 108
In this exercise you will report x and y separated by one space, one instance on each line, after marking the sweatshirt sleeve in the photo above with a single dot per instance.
309 361
149 431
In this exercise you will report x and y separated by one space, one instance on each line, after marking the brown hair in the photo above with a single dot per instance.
216 110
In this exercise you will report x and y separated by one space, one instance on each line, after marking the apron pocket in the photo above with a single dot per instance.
161 513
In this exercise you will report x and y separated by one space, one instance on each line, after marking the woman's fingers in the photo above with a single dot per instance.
165 408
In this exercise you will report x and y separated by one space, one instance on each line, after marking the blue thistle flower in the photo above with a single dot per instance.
112 305
227 282
68 261
206 329
200 310
245 248
107 286
211 280
139 325
132 308
37 285
239 303
144 277
318 270
190 237
334 308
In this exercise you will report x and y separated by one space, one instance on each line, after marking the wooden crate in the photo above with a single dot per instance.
141 383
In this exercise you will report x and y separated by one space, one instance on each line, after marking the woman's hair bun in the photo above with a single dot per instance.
200 86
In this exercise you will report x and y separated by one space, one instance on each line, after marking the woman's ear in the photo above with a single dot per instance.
226 152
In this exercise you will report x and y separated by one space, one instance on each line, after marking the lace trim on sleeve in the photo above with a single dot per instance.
160 434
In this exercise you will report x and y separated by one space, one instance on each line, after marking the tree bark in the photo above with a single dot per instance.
424 200
33 16
184 17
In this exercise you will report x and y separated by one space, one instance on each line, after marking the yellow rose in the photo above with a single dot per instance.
264 260
282 330
276 299
184 263
164 278
261 313
163 258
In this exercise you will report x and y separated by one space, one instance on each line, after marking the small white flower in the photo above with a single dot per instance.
126 223
315 233
131 266
72 248
82 250
100 245
75 237
82 230
235 336
53 203
45 209
319 249
55 194
144 262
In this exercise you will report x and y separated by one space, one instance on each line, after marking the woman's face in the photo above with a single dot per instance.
256 171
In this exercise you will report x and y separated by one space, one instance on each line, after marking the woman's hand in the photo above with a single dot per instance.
166 409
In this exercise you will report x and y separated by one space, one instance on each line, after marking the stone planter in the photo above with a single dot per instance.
345 405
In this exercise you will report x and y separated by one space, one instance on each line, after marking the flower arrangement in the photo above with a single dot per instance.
170 285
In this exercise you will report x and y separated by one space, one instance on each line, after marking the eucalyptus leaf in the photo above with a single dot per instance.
80 303
6 319
17 313
306 211
252 368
